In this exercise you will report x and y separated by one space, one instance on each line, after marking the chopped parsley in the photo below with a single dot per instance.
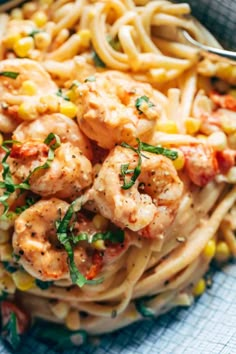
44 285
34 32
135 172
10 74
10 332
10 268
140 101
97 60
75 83
63 235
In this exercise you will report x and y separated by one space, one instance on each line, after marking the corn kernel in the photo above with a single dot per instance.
11 39
71 94
218 141
180 161
46 2
168 126
73 320
99 245
49 103
60 309
27 111
100 222
199 288
28 9
40 18
222 252
23 280
228 124
232 141
42 40
4 236
16 14
6 252
1 139
85 36
69 109
23 46
28 88
210 249
231 175
192 125
7 284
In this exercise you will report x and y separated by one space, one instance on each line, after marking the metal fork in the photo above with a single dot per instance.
228 54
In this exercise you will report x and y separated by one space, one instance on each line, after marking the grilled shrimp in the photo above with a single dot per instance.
69 173
150 205
108 110
11 92
36 241
64 127
40 251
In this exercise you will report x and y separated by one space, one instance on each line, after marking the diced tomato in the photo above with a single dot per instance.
23 320
223 101
226 160
201 163
29 149
97 262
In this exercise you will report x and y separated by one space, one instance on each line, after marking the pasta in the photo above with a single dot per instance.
118 171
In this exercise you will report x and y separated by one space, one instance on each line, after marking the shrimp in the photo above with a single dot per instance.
108 110
40 251
200 163
69 173
11 92
64 127
150 205
35 240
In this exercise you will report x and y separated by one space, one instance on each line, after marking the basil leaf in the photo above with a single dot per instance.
10 74
44 285
90 79
28 203
143 309
10 267
97 60
159 150
140 101
114 237
61 94
58 336
10 333
62 235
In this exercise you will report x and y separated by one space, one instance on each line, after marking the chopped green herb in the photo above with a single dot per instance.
97 60
59 337
16 257
34 32
90 79
44 285
61 94
10 267
142 308
63 228
124 169
10 74
29 201
3 295
112 236
159 150
10 333
140 101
